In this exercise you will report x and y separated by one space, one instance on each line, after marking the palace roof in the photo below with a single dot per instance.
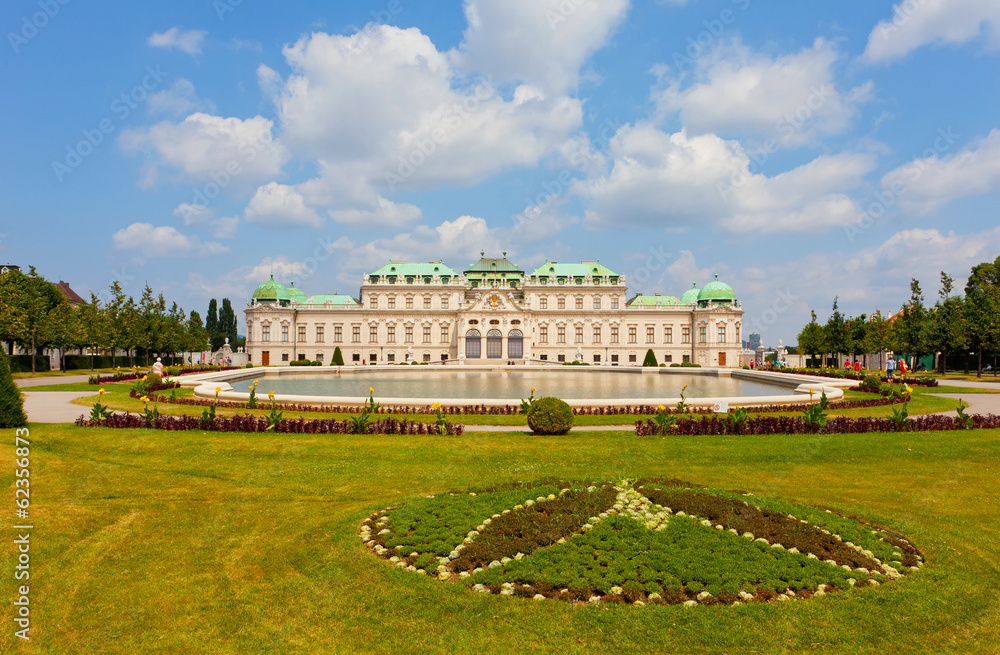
416 269
582 269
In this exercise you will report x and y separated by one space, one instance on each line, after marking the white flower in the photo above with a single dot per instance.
538 597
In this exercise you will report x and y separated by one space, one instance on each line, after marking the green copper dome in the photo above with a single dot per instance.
271 291
690 296
296 295
716 291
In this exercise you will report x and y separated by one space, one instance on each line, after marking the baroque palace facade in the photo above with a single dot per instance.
494 313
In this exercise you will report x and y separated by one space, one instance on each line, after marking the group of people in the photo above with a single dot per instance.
891 367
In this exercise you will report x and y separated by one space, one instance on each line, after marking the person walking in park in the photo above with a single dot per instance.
890 366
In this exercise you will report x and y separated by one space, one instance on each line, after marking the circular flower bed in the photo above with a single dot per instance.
651 541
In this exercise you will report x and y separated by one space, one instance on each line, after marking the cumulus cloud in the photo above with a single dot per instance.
544 44
231 153
793 98
928 184
677 180
163 241
188 41
916 23
385 213
279 205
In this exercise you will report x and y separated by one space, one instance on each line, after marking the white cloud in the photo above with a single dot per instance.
793 98
233 154
279 205
538 43
188 41
930 183
674 181
193 214
163 241
180 98
227 227
917 23
385 214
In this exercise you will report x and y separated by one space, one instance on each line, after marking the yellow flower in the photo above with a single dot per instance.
102 392
436 406
684 387
371 389
256 382
250 387
532 390
270 394
144 377
144 399
661 407
812 391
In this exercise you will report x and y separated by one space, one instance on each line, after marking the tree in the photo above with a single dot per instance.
119 317
811 338
857 328
13 290
909 327
878 337
195 339
837 336
227 324
650 359
338 357
212 324
93 327
946 331
39 298
11 400
982 309
62 330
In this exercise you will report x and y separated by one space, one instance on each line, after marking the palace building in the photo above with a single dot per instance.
493 312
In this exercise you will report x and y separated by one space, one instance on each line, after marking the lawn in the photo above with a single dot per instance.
169 542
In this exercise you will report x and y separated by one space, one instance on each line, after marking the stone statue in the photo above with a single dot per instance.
579 354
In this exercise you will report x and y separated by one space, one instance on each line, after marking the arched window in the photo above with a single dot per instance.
494 344
473 347
515 344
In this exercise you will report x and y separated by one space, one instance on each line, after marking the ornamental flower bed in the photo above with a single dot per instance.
845 375
250 423
838 424
655 541
507 410
127 376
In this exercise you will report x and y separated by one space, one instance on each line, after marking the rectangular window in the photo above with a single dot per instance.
703 335
392 302
408 337
338 334
561 303
373 303
686 334
445 334
391 357
373 334
597 303
391 336
668 334
561 335
597 359
355 334
722 334
650 334
579 302
614 303
543 302
444 302
409 303
614 334
302 334
284 357
631 358
427 334
356 357
544 358
579 335
319 357
284 333
631 334
427 302
265 333
319 334
687 359
561 358
597 334
427 357
543 334
614 359
668 358
302 357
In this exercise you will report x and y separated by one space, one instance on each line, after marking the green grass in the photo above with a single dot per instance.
189 542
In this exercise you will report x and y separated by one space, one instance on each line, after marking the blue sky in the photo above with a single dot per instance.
799 150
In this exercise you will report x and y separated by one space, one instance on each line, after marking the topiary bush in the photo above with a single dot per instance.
650 359
550 416
11 400
338 357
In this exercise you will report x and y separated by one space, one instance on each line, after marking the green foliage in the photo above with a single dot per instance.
824 402
872 384
252 401
899 417
737 418
665 423
338 357
11 401
550 416
274 417
526 404
814 417
650 359
963 419
811 339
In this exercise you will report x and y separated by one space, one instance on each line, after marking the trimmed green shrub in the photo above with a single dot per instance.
550 416
338 357
22 363
11 400
650 358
